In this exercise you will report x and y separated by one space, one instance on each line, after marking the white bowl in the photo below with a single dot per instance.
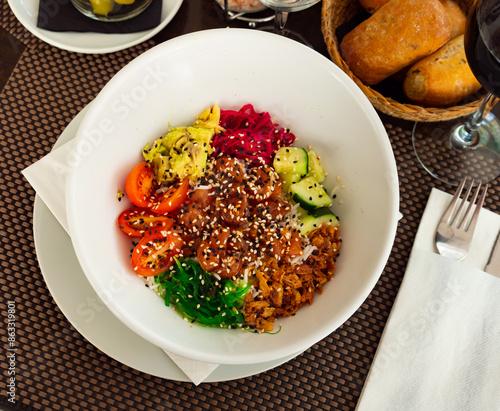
169 86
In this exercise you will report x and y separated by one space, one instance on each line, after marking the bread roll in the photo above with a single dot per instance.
441 79
457 20
400 33
455 14
456 17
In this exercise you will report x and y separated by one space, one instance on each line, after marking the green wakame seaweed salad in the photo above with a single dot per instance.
200 297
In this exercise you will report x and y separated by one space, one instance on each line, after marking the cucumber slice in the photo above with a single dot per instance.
310 194
292 160
315 169
289 179
301 213
315 219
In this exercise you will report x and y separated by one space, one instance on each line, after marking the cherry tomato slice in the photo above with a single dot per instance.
172 199
139 184
138 222
155 253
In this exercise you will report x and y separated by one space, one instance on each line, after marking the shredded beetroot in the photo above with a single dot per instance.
250 136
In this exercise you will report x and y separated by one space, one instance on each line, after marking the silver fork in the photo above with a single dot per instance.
455 230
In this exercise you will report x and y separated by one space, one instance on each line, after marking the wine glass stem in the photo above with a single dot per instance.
280 22
477 117
466 135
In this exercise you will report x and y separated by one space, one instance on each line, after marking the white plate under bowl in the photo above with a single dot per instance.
26 12
84 309
170 85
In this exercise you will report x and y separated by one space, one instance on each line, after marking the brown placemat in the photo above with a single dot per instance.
57 369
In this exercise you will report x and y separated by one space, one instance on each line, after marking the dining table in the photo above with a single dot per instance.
47 364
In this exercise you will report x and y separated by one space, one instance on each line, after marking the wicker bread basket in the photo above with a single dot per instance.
336 13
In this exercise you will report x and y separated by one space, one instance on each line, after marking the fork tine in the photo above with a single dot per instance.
450 240
467 216
457 220
447 216
472 225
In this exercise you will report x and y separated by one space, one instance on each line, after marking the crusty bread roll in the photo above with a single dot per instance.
457 20
456 17
441 79
400 33
455 14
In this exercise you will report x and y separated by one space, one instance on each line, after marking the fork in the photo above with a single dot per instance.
455 230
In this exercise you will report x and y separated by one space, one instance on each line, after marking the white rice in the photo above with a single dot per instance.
307 252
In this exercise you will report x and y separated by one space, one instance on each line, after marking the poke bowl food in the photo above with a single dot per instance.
234 225
225 211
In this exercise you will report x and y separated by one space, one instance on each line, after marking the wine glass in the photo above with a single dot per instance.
281 9
469 146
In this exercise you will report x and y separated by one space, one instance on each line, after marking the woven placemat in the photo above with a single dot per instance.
57 369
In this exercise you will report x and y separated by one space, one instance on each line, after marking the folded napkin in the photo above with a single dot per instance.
61 15
440 349
48 177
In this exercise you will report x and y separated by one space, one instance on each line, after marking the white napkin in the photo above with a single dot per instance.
48 177
440 349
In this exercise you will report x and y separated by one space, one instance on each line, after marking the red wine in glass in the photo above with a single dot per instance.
482 46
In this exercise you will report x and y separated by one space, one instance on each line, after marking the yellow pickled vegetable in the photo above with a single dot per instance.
102 7
124 1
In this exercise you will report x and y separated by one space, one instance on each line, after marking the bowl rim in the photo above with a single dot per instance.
393 211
